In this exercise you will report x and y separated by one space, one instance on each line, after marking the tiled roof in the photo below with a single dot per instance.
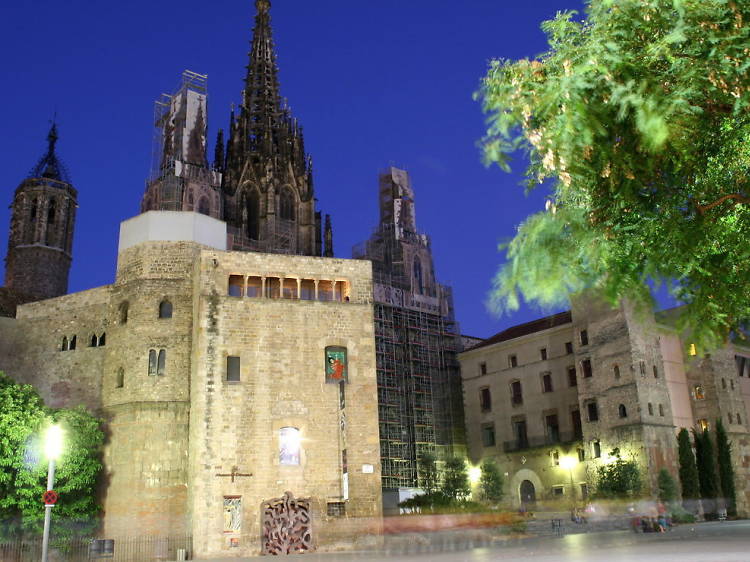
528 328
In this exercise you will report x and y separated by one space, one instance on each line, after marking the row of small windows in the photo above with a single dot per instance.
521 439
288 288
69 344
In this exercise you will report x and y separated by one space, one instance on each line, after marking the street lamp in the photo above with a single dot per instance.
53 442
569 463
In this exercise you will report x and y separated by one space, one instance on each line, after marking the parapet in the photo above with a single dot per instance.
173 226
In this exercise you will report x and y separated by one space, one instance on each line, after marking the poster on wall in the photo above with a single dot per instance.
336 367
232 514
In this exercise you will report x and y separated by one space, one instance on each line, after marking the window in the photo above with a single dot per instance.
516 393
254 287
64 344
236 285
336 509
661 410
596 447
584 337
739 420
485 399
307 290
547 382
94 341
575 418
555 458
650 409
273 287
703 424
483 368
656 372
103 339
289 446
616 370
418 282
572 379
152 362
289 289
729 415
593 411
581 454
72 343
519 432
286 204
724 384
558 491
165 309
161 363
568 347
123 312
543 353
553 428
622 410
642 367
698 393
488 434
512 361
233 368
120 378
586 368
325 290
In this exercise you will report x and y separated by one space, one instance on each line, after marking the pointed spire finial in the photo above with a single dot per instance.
262 5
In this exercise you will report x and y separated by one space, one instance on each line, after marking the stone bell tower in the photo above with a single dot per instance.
41 229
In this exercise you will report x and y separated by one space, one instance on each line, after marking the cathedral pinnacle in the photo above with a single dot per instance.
49 166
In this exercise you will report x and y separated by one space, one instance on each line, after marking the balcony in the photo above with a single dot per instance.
538 441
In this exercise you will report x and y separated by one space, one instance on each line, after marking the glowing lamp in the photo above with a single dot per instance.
475 473
53 442
568 462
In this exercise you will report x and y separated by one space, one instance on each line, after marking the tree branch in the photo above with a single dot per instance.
735 197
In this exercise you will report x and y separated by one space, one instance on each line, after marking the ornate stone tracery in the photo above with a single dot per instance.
287 525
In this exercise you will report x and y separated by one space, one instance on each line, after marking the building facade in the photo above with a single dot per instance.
417 337
553 399
226 379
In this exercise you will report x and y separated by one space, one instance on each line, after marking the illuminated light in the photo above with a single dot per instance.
53 442
568 462
475 473
692 351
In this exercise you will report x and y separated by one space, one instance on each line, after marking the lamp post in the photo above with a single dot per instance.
569 463
53 448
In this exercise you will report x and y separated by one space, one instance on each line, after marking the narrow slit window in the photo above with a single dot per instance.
152 357
120 378
162 363
103 339
233 369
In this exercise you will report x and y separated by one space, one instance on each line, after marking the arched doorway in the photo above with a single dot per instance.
527 492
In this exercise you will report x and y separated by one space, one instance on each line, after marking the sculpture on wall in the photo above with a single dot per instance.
287 527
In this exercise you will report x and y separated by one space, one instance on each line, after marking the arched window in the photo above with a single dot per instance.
622 411
123 310
94 341
253 215
289 445
286 204
617 371
165 309
418 282
204 207
32 212
120 378
64 345
162 363
661 410
152 362
650 409
72 344
51 212
103 339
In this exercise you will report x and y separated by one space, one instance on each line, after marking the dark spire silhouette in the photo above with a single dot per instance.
50 166
219 151
328 238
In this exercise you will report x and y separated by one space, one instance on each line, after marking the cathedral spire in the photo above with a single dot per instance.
49 165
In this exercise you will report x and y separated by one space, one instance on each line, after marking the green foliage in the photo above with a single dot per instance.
680 515
455 483
706 461
491 482
726 471
637 116
667 486
438 502
23 468
688 468
428 473
618 479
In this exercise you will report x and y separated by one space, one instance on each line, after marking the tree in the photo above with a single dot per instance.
491 482
618 479
455 484
23 468
667 486
688 468
636 118
706 462
726 471
428 474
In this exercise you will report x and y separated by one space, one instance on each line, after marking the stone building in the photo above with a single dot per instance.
261 182
551 400
419 384
225 378
40 242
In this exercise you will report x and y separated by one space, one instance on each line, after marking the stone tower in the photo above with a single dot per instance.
267 178
181 179
41 229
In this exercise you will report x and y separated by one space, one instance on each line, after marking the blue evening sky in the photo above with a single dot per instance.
372 83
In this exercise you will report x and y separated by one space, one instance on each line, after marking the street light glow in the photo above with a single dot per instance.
53 442
568 462
475 473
